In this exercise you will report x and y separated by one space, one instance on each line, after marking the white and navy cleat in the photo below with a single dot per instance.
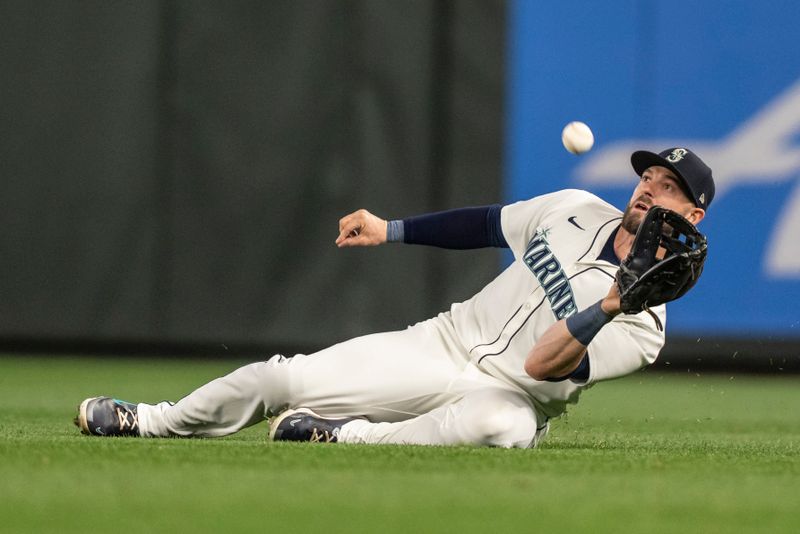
304 425
104 416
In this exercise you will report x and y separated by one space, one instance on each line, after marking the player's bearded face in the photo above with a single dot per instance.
634 213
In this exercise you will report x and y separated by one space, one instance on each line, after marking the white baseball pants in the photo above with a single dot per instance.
414 386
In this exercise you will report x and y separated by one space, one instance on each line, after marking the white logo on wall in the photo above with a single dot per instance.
762 150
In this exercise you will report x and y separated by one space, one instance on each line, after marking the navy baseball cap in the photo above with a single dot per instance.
687 166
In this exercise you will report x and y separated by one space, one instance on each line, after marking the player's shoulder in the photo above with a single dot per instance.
560 205
579 199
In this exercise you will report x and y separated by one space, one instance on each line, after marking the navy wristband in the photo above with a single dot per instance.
586 324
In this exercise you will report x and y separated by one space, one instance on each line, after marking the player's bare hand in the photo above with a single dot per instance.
361 229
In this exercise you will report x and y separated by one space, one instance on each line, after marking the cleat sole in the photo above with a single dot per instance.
82 420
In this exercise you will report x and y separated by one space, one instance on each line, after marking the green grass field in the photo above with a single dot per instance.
648 453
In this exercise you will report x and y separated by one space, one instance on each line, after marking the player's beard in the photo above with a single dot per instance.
631 220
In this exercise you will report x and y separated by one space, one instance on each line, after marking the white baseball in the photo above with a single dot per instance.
577 137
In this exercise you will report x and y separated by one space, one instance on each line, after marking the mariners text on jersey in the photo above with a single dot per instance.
547 269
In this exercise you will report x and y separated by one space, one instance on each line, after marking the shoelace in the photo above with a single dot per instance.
122 416
321 437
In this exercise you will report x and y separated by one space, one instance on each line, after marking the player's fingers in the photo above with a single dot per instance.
349 231
350 242
344 220
345 226
353 241
357 217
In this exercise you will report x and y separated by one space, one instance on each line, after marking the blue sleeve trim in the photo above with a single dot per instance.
463 228
581 373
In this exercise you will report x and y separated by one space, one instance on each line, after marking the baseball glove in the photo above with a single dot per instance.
665 261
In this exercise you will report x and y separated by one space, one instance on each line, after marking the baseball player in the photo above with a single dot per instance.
490 371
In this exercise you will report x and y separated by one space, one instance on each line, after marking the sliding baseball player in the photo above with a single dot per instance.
581 303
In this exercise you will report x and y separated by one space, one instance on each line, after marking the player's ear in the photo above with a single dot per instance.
695 215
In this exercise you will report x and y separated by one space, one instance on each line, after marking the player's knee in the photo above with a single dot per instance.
505 425
494 429
267 380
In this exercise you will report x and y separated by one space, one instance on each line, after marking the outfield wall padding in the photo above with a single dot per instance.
173 172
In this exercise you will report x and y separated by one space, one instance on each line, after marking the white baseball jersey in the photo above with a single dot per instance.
556 240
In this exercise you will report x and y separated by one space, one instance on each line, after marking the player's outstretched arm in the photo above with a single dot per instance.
461 228
361 229
562 346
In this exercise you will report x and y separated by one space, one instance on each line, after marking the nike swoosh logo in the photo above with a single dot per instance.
293 422
572 220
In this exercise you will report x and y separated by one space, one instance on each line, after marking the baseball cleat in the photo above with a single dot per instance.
104 416
304 425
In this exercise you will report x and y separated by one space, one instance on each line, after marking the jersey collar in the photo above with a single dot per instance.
602 247
608 254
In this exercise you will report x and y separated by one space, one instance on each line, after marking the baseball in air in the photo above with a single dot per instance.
577 137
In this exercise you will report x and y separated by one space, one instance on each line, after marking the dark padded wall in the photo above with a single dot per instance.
173 172
77 180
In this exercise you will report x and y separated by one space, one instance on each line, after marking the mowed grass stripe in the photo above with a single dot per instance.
655 453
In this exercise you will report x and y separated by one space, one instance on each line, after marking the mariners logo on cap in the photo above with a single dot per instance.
676 155
702 198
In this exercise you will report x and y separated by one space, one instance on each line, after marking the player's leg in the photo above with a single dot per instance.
491 416
387 377
221 407
217 408
487 417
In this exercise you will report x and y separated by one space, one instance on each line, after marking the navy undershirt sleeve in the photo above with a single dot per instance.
462 228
